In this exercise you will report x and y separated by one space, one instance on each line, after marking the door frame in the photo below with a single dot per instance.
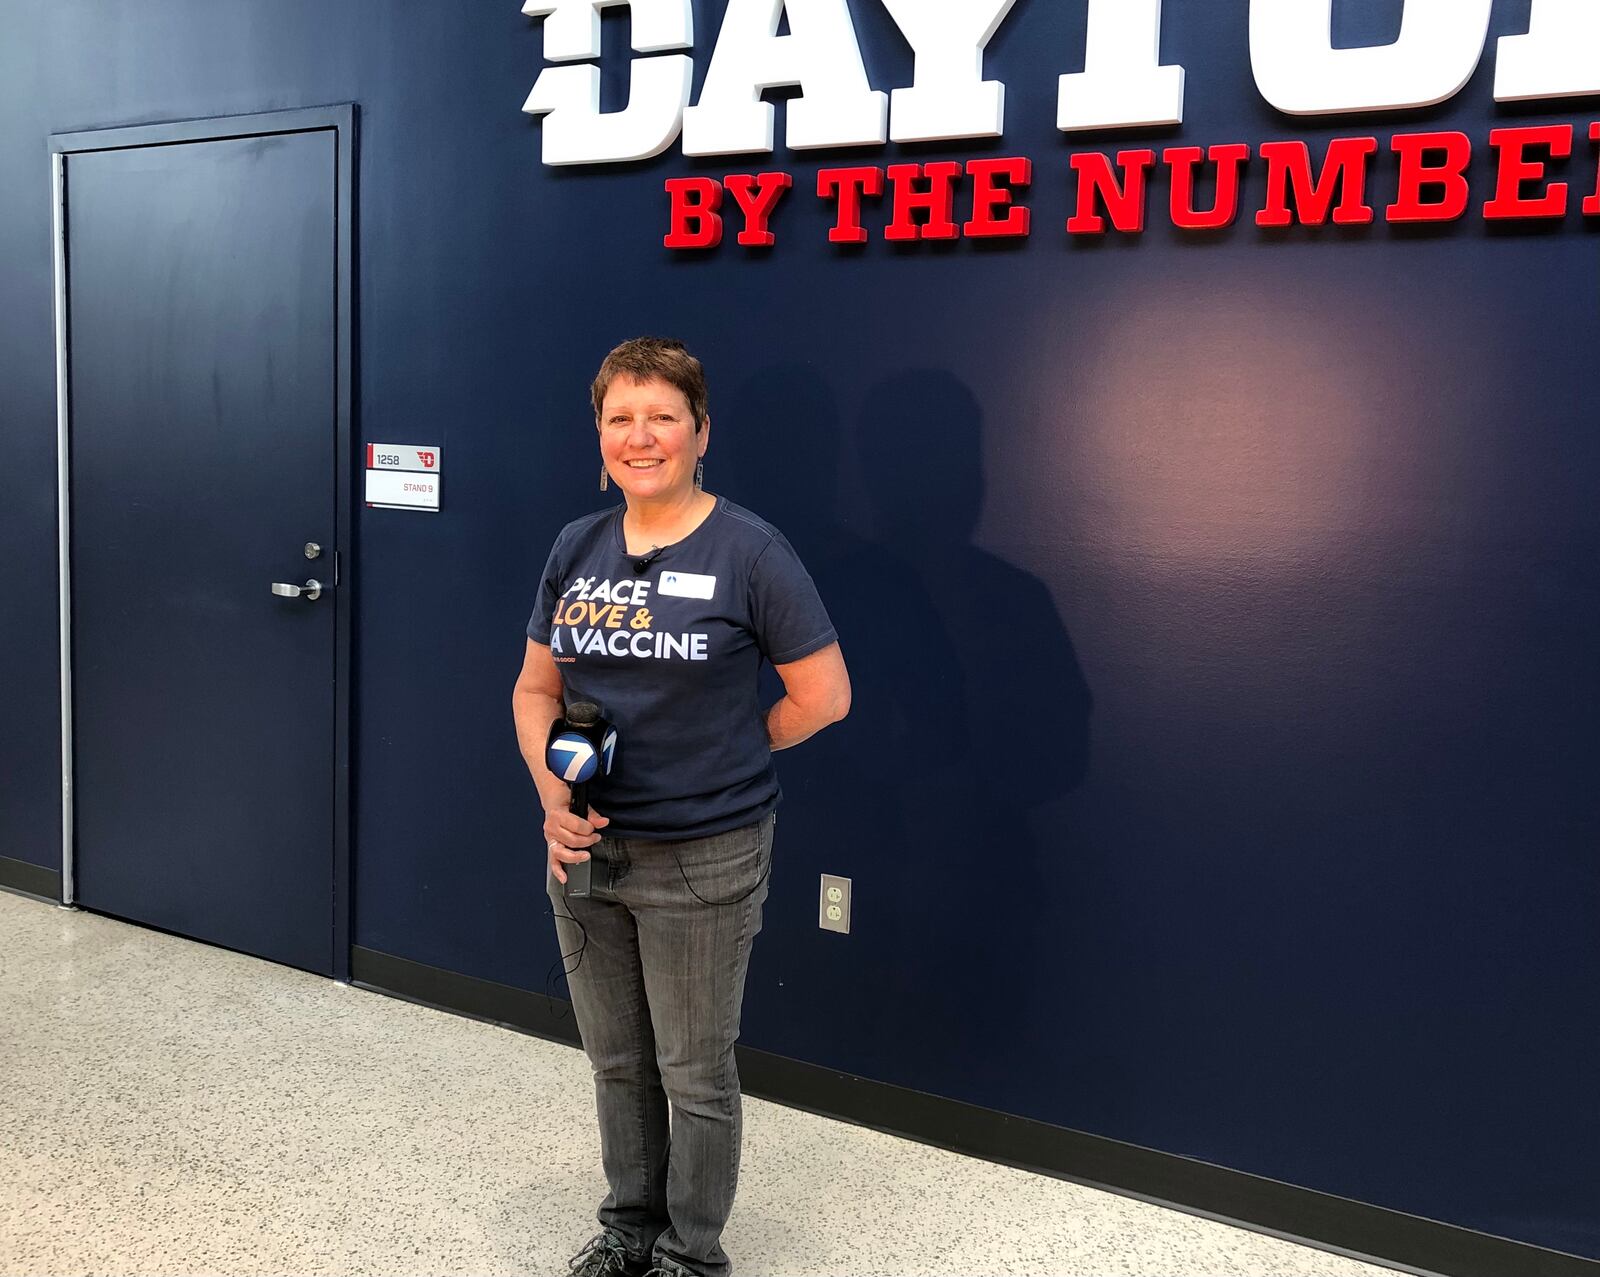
341 121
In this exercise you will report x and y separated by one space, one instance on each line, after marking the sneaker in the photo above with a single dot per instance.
664 1267
607 1255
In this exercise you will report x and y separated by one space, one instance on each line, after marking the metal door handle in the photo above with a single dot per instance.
310 590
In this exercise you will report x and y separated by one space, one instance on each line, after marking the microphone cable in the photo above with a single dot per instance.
765 873
550 975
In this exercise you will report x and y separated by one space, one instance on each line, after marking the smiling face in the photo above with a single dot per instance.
648 441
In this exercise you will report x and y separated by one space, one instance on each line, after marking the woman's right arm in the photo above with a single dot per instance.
535 704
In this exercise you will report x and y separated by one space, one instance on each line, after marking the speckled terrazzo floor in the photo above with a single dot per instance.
173 1108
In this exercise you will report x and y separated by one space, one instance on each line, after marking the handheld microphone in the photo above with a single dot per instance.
581 744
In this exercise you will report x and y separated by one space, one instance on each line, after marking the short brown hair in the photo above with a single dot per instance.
650 358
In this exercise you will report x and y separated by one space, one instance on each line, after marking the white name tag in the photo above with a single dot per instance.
687 585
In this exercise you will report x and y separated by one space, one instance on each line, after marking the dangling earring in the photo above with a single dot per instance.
699 475
605 478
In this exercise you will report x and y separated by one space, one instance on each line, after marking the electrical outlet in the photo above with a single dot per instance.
833 908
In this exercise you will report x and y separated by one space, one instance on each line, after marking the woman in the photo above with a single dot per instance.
660 612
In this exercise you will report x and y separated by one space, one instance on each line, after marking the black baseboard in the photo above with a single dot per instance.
1331 1223
30 880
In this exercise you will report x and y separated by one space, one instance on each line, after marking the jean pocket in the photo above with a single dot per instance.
727 868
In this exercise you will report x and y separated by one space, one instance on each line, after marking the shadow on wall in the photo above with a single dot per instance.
970 712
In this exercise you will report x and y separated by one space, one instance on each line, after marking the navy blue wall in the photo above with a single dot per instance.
1223 612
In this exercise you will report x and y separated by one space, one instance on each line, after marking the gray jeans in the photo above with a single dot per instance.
665 941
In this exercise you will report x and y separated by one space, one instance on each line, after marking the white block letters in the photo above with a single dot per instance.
572 27
1299 71
1122 83
948 97
1559 57
836 106
576 133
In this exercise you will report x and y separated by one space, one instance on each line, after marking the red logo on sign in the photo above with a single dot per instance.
427 459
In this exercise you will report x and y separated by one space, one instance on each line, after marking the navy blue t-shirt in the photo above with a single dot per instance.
671 656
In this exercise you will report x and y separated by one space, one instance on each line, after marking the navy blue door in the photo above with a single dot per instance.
201 311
